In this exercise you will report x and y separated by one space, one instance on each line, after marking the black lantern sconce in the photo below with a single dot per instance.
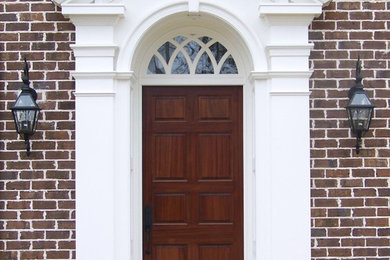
360 108
26 110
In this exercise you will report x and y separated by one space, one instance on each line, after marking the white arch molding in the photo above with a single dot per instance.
147 46
114 43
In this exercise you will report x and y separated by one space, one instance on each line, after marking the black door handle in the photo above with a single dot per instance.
147 228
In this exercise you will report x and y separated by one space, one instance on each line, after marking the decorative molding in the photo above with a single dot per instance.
193 6
93 14
94 50
290 93
195 80
287 9
289 50
61 2
120 75
262 75
94 94
93 9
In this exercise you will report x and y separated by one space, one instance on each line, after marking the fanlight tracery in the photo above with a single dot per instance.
192 55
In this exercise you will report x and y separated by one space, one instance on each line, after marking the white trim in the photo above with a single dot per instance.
92 9
195 80
290 93
275 94
123 75
289 50
259 75
193 6
94 50
266 9
94 94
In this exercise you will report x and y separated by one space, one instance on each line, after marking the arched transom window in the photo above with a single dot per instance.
192 55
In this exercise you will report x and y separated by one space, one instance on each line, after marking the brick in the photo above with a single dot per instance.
31 17
329 242
376 202
352 202
17 27
31 214
378 242
17 225
384 192
354 222
32 255
325 203
348 25
367 25
47 224
339 252
12 245
57 234
315 252
384 251
349 5
326 223
364 252
44 244
31 36
58 254
58 214
16 7
18 205
42 27
43 46
361 35
384 232
377 222
42 7
32 235
339 193
374 5
360 16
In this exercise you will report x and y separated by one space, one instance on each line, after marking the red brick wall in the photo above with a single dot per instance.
350 192
37 204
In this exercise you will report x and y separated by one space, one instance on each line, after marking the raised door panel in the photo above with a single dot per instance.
215 252
214 156
216 208
170 153
170 252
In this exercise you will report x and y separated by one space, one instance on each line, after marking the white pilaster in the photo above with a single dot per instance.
103 229
287 173
94 166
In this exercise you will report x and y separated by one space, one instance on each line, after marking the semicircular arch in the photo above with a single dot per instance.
174 19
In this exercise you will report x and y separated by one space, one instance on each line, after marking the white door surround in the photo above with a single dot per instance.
114 43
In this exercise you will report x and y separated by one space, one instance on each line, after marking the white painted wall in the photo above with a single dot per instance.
269 41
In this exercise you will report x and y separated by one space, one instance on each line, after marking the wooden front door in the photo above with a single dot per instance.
192 173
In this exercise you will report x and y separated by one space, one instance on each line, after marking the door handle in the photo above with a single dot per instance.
147 228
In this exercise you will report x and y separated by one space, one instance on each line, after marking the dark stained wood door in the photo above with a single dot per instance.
193 173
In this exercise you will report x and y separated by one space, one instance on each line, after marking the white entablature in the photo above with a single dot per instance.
115 41
59 2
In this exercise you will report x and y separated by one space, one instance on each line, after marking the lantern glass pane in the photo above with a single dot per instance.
26 121
360 118
25 100
360 99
